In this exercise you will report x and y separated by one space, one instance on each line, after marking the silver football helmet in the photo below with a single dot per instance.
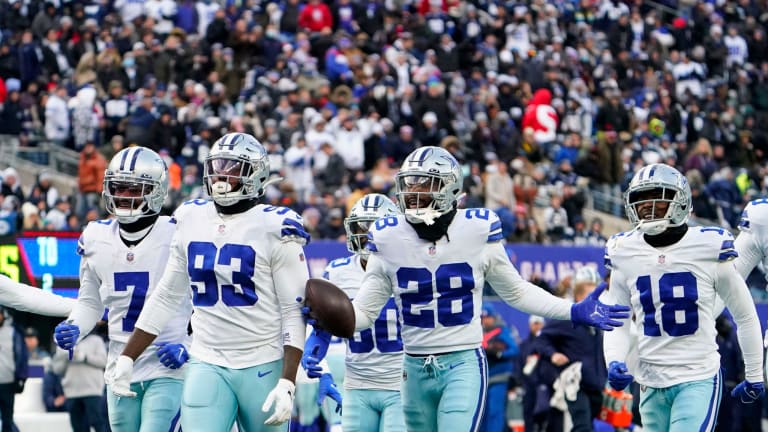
654 185
135 184
364 213
428 184
236 168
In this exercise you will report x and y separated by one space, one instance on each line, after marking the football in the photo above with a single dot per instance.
331 307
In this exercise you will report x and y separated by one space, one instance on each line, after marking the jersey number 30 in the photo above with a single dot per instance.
679 312
202 257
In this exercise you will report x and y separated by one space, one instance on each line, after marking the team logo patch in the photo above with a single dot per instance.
301 257
662 259
432 250
405 375
221 228
129 257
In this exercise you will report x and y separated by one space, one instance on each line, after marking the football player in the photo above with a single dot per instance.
435 259
671 275
243 264
121 261
375 355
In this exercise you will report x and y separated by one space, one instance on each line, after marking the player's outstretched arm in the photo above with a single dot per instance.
375 291
523 295
750 252
89 308
734 292
26 298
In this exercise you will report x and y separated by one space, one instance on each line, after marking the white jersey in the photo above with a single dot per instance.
374 355
673 291
438 286
244 272
120 278
752 242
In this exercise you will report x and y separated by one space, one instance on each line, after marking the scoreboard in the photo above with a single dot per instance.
43 259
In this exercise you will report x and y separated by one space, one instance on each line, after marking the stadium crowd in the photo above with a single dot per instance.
546 104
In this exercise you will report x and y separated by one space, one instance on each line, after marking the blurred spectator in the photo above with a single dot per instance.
563 345
11 115
83 382
501 350
14 367
500 196
334 174
556 219
57 125
11 185
333 226
53 392
37 355
90 178
56 218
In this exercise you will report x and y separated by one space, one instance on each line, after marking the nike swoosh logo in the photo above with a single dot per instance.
263 374
455 365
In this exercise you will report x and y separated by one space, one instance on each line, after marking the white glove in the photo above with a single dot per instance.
121 377
282 397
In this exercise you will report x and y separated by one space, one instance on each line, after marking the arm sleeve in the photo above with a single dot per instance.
375 291
27 298
616 343
290 276
515 290
89 307
749 253
169 294
733 290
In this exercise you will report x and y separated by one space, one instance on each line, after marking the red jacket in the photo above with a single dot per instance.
541 117
315 17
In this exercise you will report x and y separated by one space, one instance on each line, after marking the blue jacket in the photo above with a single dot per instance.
580 343
501 350
20 355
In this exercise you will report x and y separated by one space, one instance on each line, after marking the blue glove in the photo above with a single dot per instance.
305 310
172 355
317 344
328 388
311 365
66 335
748 392
618 377
315 350
592 312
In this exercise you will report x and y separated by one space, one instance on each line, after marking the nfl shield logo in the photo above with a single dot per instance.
221 228
129 257
432 250
662 258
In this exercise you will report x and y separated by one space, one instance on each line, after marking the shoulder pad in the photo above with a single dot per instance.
719 239
753 213
91 230
488 218
291 224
